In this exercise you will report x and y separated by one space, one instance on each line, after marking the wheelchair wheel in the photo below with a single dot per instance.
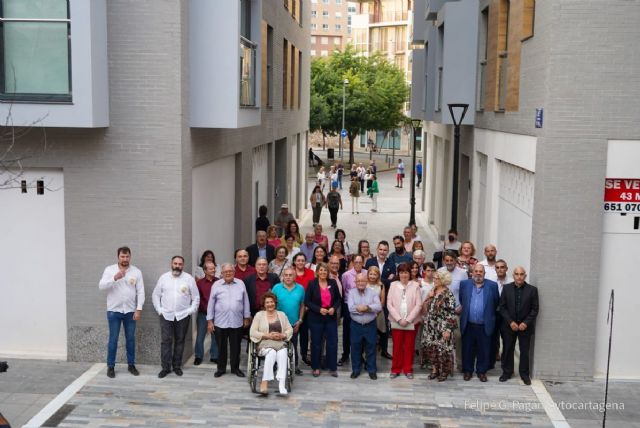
290 368
252 371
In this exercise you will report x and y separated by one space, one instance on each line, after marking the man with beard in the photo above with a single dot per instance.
125 297
489 262
400 255
175 297
479 299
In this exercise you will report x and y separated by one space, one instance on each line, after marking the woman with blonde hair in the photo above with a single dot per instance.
440 323
374 282
466 260
272 236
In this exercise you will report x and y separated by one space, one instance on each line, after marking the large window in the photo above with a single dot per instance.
36 55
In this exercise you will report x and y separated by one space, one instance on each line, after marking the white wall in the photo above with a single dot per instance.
620 257
33 312
213 209
502 194
260 174
89 76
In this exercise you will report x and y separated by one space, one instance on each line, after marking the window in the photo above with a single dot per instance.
285 73
338 14
325 1
351 9
292 91
248 50
324 40
313 26
338 27
314 13
324 53
338 1
325 14
269 66
337 40
312 52
313 40
299 94
325 27
36 60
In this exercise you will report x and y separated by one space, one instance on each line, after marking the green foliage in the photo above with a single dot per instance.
375 95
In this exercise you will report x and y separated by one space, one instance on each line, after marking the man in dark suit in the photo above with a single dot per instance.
387 275
260 249
258 283
519 309
479 299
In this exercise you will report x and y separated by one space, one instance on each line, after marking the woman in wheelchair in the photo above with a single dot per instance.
270 332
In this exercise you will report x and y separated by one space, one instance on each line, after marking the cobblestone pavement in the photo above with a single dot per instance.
199 399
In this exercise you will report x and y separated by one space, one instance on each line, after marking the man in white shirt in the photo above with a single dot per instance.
489 263
125 297
502 278
175 297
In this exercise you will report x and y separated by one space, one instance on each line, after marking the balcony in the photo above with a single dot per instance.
432 8
247 73
387 16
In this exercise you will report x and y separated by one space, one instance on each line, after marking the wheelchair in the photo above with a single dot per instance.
255 361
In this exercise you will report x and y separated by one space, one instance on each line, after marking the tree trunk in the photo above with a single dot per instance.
323 138
351 138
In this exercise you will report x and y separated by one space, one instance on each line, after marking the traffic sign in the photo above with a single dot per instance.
343 133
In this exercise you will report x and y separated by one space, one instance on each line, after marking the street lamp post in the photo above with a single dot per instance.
345 82
462 109
415 124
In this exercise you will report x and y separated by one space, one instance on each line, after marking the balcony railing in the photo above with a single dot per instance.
480 90
247 73
503 64
388 16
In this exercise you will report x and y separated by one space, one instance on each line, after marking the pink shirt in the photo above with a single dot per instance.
414 301
325 297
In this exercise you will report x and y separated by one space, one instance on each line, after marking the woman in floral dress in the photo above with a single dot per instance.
439 324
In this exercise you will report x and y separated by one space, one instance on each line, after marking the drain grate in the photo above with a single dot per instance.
431 425
59 416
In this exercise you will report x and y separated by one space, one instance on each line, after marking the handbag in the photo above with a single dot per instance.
403 175
276 345
396 326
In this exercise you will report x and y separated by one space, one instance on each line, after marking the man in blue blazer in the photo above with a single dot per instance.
479 298
387 276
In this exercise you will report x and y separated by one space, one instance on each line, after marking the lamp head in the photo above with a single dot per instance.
458 115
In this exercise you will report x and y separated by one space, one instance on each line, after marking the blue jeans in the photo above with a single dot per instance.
327 327
366 334
115 319
201 326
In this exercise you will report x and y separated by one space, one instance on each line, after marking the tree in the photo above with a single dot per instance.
375 95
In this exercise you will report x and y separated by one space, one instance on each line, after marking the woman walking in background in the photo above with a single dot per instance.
373 193
354 191
317 201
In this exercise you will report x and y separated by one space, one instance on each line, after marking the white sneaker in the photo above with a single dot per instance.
283 387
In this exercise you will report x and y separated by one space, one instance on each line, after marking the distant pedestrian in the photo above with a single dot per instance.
368 178
322 177
125 297
373 193
399 173
317 201
175 298
361 174
354 191
340 169
262 222
419 173
334 203
333 174
282 218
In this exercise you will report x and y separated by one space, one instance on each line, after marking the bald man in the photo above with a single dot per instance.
519 308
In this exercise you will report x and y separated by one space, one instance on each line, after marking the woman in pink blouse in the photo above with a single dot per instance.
405 305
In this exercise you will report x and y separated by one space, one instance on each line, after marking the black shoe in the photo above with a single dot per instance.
354 375
299 372
306 361
178 371
163 373
386 355
213 360
218 374
504 377
343 360
373 376
526 379
197 361
133 370
239 373
111 372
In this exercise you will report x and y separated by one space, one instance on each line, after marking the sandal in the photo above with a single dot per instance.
433 375
316 373
442 378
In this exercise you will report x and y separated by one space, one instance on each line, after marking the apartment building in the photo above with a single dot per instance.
549 150
158 125
329 26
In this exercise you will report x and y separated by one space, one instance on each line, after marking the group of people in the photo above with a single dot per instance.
297 292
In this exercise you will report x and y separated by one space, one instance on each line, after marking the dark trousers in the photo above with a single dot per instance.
303 332
363 335
294 342
115 319
346 331
173 334
509 339
231 337
495 341
419 179
317 210
361 185
328 328
333 212
476 346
